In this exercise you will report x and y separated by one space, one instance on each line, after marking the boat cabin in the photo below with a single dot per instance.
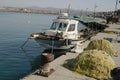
64 27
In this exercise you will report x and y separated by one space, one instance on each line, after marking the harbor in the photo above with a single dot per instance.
57 64
32 51
63 40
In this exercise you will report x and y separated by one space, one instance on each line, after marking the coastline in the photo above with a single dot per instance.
28 10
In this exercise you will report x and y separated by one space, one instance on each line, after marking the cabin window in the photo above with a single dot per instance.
54 25
81 26
71 27
62 26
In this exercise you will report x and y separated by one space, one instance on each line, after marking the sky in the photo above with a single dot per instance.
102 5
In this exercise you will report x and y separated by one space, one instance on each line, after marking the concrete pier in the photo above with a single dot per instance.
62 73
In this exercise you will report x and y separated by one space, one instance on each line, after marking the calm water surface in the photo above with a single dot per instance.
14 31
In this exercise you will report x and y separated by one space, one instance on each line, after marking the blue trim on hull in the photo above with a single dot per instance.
57 44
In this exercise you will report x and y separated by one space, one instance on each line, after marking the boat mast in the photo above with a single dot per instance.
68 10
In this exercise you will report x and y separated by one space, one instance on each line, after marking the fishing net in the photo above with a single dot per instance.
93 63
102 44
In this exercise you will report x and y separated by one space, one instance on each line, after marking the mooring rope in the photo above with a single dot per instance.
24 51
24 43
52 46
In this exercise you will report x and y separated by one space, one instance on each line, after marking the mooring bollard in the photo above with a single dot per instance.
46 58
46 70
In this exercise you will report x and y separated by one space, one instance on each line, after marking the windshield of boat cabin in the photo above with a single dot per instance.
62 27
59 26
54 25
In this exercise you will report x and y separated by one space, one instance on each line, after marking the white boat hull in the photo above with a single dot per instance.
54 44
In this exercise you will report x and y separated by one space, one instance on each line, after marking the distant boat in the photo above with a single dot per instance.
63 33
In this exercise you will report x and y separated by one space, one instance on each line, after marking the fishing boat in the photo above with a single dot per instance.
63 33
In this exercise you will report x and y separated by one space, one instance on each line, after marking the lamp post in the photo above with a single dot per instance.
86 11
81 12
95 9
116 6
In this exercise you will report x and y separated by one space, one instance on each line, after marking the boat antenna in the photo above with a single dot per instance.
68 10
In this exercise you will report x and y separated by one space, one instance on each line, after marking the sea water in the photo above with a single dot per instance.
15 28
